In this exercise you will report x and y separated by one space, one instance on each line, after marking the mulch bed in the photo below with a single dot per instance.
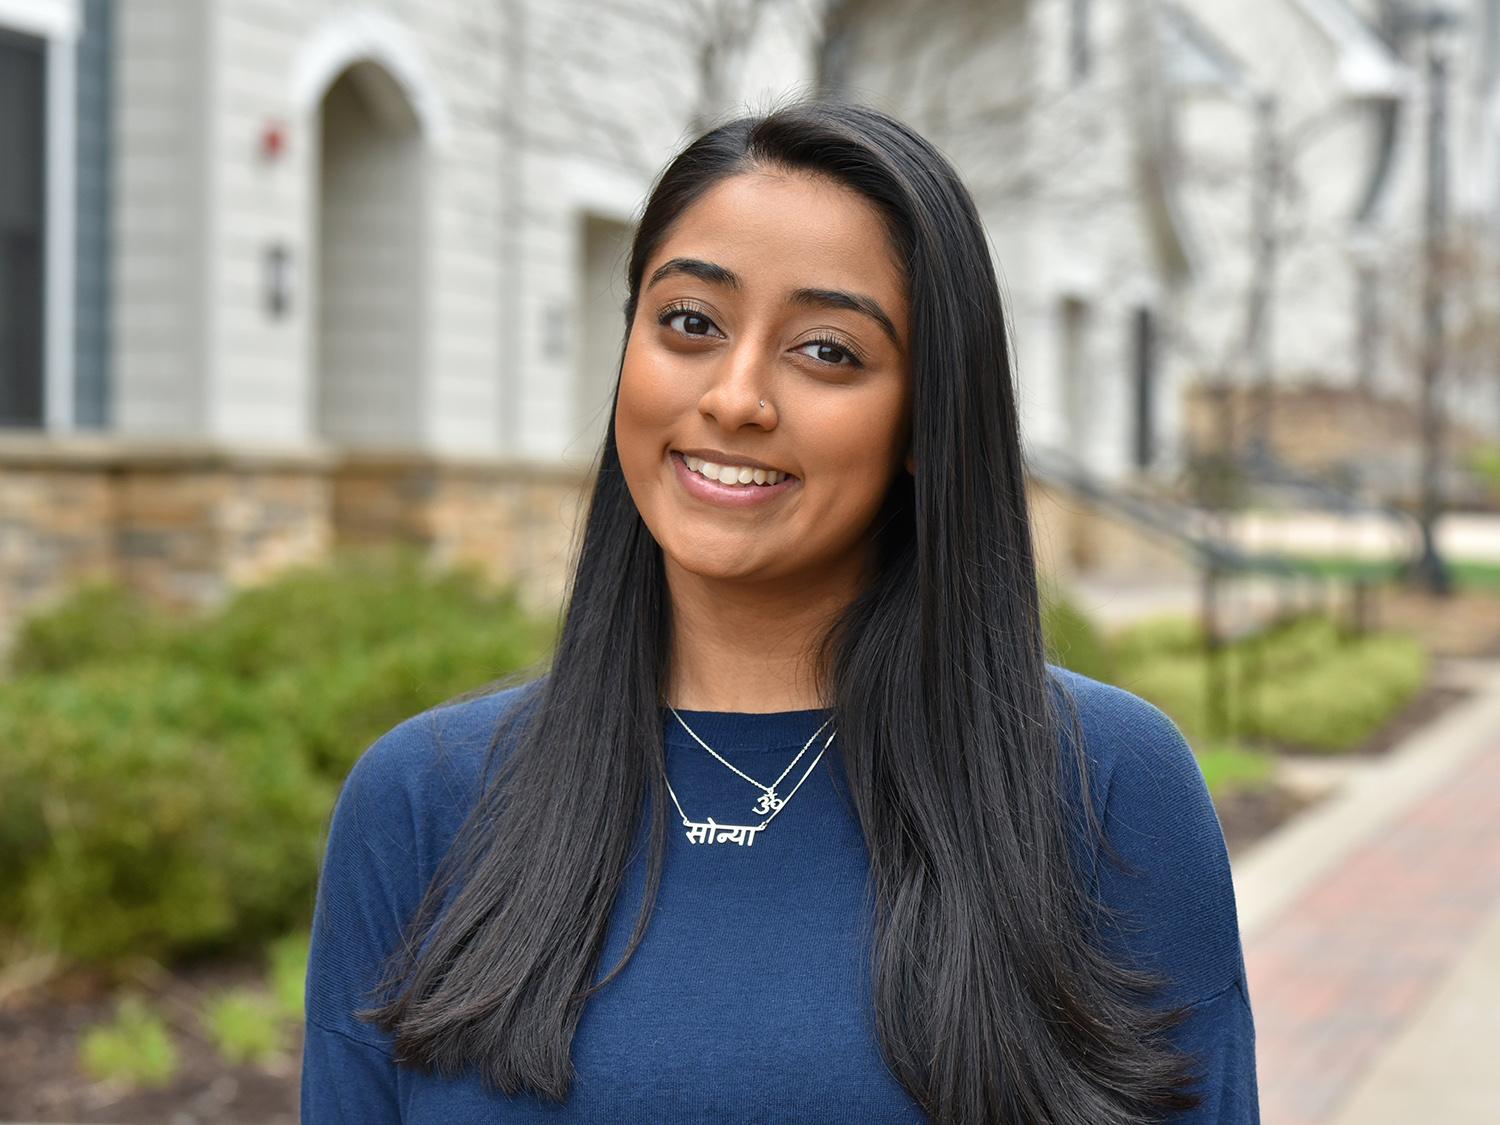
40 1080
1250 814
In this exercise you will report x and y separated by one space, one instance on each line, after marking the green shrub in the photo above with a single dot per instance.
1340 702
1292 646
1071 639
172 799
135 1048
288 972
246 1026
99 623
1157 637
132 824
1311 690
1177 685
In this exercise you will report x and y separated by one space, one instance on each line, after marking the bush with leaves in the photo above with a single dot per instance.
170 797
1072 640
246 1026
1312 690
135 1048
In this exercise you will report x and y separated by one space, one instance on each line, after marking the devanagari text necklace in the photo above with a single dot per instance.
712 832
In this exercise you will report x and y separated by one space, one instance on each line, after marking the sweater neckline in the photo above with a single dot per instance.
748 730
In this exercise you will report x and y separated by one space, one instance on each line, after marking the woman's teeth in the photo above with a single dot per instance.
734 474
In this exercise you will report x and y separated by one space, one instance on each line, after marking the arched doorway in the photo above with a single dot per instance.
370 328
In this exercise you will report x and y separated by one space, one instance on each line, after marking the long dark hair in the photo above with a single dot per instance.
994 999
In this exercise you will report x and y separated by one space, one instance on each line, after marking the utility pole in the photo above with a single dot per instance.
1430 570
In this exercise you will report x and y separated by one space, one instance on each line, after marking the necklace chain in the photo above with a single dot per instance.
710 831
769 789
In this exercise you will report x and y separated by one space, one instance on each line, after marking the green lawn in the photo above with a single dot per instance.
1468 574
1230 768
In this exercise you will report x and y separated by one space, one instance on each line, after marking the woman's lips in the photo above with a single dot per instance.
727 495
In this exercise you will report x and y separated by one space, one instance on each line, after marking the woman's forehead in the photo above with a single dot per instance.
787 230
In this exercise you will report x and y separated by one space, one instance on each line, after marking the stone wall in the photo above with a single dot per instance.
55 519
185 524
1072 538
513 519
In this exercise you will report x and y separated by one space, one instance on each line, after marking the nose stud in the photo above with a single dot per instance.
762 403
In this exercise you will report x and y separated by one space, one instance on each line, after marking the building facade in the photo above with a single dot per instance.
345 272
278 275
1306 170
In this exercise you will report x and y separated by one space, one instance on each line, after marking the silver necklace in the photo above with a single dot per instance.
712 832
769 802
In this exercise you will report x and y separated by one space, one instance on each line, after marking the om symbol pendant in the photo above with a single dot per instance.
768 803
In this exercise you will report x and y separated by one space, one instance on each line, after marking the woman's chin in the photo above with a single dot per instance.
724 562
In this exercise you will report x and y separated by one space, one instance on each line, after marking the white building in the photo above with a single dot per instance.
1346 83
278 274
1052 111
378 225
390 225
358 271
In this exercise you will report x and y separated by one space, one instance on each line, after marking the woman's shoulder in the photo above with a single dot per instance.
1124 736
412 786
460 728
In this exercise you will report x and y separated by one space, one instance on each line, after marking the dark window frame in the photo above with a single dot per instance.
23 231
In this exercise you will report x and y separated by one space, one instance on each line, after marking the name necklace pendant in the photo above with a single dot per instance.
769 801
711 831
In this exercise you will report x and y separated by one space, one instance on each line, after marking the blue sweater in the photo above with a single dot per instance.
749 997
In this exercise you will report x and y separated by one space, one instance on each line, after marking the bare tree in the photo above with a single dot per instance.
689 53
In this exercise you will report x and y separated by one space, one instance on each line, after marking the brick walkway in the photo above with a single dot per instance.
1337 975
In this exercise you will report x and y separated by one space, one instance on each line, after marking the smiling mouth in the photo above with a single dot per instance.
737 475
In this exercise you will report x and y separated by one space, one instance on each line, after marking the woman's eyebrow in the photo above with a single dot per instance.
854 302
696 267
814 298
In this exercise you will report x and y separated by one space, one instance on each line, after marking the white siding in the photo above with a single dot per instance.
159 281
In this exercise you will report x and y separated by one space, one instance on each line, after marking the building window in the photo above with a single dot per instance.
23 152
1080 40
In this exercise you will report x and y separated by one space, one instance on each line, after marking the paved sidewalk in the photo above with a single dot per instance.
1446 1056
1371 934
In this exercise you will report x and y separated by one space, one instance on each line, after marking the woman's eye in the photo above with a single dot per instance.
826 351
689 323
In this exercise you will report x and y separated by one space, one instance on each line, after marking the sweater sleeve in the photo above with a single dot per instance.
1220 1034
1174 903
346 1081
364 890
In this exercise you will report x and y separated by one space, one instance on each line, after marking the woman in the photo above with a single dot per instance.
799 825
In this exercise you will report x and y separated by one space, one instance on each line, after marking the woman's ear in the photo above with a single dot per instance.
911 463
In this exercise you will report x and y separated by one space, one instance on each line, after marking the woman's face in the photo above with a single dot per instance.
778 286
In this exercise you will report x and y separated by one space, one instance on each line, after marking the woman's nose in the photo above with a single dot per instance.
741 382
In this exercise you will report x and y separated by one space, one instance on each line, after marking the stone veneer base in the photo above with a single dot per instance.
186 523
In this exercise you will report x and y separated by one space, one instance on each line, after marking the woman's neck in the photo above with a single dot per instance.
742 646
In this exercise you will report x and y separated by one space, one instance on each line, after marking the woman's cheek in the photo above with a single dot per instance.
651 393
